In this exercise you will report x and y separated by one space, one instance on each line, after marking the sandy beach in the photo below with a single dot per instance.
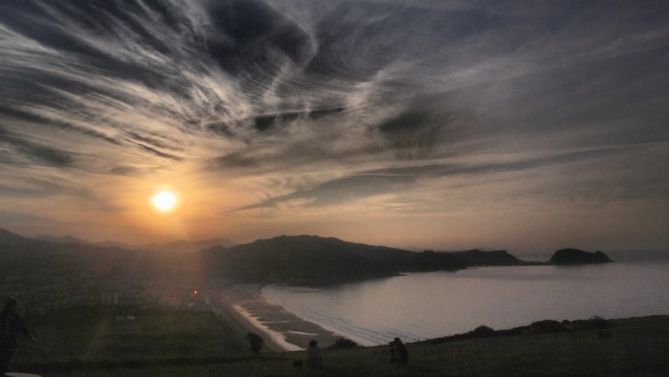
281 330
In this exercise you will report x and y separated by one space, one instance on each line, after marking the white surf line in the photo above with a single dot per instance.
337 331
301 332
276 336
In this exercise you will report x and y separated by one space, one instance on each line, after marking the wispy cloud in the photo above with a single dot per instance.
368 183
324 103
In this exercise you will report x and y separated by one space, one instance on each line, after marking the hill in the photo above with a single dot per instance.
567 257
316 259
23 256
625 347
283 259
8 238
174 246
192 246
60 239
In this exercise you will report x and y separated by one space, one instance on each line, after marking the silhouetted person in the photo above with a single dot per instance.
393 354
398 352
12 325
314 360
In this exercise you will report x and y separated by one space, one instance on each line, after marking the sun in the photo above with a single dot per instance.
164 201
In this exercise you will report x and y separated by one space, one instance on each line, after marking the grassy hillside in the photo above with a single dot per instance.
631 347
108 336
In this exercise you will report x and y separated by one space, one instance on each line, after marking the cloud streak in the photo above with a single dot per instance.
393 179
329 103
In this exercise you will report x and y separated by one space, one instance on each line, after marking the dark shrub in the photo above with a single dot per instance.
342 343
483 332
547 326
255 341
597 322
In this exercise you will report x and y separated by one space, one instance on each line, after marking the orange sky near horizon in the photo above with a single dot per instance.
423 124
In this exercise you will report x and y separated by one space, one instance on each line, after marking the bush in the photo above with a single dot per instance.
483 332
597 323
547 326
342 343
255 341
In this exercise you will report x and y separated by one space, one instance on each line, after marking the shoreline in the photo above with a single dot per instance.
277 338
282 330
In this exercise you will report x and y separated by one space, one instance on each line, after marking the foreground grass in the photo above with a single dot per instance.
105 336
631 347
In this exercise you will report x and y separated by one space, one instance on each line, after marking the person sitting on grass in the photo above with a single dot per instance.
314 360
12 325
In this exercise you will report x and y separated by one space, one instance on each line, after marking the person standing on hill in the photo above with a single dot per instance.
398 352
12 325
314 360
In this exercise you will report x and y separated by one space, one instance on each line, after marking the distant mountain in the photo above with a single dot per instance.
23 256
192 246
175 246
576 257
8 238
284 259
60 239
316 259
121 245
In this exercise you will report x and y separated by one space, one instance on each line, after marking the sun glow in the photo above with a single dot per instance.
164 201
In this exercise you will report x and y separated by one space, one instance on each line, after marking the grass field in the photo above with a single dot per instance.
101 336
195 344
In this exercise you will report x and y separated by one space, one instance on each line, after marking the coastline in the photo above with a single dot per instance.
277 338
282 331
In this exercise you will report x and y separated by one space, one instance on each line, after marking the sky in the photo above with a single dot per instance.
525 125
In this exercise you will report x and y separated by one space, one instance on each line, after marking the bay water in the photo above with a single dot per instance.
419 306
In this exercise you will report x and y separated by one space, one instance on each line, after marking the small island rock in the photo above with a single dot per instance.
575 257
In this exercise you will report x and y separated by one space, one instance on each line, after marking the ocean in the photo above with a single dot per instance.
419 306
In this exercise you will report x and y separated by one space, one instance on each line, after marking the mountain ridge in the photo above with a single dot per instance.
281 259
176 245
